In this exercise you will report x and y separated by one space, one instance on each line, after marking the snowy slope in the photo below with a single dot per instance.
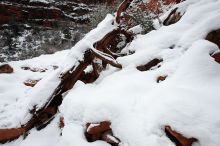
15 96
137 106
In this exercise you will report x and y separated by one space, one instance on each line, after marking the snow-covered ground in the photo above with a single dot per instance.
14 95
137 106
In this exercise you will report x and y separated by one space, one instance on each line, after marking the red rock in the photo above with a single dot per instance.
214 37
155 5
6 68
98 128
31 83
10 134
217 57
61 125
92 137
161 78
178 138
173 17
109 138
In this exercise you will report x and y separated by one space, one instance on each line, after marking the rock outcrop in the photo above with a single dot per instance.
31 28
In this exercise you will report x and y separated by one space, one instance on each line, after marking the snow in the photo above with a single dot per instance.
42 1
137 106
18 98
87 42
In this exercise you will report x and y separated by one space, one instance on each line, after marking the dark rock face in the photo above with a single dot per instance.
6 68
214 37
31 28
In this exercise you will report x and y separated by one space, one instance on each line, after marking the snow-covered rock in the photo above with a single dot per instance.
138 106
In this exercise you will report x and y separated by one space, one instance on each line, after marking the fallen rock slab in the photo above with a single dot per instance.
178 138
149 65
10 134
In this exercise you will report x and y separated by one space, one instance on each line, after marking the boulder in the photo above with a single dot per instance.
101 131
98 128
214 37
6 68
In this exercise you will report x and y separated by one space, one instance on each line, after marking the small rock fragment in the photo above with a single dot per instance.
149 65
217 57
161 78
31 83
34 69
61 125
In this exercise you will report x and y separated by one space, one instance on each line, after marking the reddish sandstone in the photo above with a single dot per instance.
217 57
98 128
178 138
161 78
6 68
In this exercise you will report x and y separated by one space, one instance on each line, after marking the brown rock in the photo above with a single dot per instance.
10 134
214 37
92 137
6 68
61 125
178 138
109 138
101 131
155 5
217 57
149 65
98 128
31 83
34 69
173 17
161 78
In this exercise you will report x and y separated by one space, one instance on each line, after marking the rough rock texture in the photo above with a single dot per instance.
29 29
157 7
